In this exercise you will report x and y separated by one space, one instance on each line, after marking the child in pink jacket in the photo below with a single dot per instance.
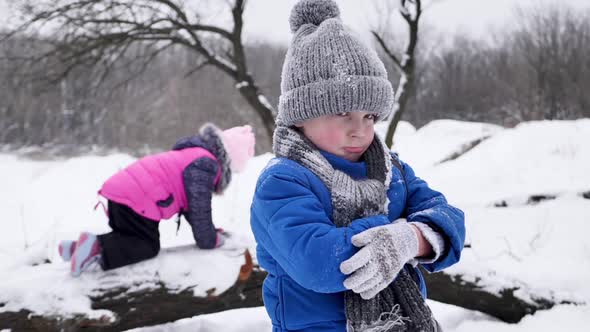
180 181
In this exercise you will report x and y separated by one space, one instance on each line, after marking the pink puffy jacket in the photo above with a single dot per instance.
152 179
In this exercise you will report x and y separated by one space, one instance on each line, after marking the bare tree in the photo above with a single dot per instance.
549 39
144 115
99 33
411 11
534 68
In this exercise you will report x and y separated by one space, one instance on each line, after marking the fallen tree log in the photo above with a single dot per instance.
453 289
146 307
160 305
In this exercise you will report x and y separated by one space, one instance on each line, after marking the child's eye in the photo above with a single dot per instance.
342 114
371 116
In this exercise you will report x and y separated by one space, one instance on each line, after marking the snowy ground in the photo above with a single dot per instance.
544 246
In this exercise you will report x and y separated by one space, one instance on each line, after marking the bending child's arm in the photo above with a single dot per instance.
440 223
198 179
292 225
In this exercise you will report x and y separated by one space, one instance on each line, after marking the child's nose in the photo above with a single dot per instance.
357 128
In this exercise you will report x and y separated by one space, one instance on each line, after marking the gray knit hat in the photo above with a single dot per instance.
328 70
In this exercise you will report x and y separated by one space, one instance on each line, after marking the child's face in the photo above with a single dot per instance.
347 135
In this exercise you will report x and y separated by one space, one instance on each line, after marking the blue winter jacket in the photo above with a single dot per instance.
301 248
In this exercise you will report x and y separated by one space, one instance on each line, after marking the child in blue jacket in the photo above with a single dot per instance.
340 222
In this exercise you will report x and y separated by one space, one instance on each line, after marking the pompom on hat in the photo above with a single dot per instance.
312 12
328 70
239 144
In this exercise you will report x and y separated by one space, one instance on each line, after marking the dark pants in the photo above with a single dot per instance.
134 238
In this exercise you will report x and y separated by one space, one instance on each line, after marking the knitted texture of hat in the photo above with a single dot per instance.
328 70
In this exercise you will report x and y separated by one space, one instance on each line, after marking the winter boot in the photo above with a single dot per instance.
86 254
66 249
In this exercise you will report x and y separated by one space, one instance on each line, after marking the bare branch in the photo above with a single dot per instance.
406 65
387 50
100 33
196 68
148 59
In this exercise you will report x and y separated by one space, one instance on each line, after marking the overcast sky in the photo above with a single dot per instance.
268 19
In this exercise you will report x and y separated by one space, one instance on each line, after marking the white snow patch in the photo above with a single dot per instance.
541 248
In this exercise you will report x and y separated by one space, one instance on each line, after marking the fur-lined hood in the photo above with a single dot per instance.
209 138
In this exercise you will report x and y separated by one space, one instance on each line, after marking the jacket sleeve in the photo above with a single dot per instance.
294 228
198 178
429 206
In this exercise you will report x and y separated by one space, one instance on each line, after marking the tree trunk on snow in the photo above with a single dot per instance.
146 307
159 306
411 11
452 289
261 106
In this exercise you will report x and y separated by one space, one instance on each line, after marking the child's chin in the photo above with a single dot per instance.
352 156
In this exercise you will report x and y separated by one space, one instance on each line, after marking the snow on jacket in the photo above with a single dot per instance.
300 247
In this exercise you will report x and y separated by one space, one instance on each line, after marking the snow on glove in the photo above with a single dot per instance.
385 250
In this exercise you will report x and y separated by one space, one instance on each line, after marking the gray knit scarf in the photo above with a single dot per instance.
400 306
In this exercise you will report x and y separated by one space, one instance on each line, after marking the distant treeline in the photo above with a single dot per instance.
540 69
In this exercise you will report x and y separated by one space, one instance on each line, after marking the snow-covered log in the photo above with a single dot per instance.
504 304
157 306
146 307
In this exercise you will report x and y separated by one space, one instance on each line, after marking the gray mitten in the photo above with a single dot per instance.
385 250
